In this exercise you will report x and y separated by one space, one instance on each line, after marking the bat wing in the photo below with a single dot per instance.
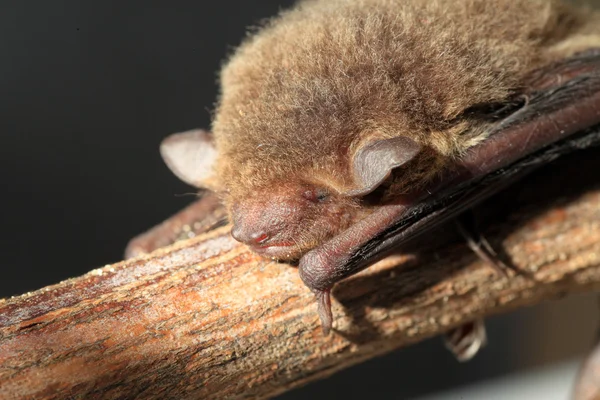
560 113
449 203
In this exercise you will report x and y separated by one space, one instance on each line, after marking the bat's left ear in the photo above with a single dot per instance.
374 162
191 156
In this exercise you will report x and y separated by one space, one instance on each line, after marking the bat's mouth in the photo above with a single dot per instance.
280 250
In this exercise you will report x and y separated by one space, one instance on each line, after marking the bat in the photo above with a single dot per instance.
345 128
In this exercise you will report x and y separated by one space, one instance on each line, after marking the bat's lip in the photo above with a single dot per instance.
276 250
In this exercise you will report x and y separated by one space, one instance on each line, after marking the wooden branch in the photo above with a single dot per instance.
207 319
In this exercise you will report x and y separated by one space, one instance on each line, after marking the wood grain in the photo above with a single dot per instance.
207 319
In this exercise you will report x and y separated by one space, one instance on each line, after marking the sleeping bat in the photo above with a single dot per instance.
345 128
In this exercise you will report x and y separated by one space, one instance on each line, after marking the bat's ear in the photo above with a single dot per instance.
374 162
191 156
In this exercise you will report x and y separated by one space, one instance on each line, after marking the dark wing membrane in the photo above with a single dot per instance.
449 203
561 115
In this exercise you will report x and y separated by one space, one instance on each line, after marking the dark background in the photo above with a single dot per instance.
88 91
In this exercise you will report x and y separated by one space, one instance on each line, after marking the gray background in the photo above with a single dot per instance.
88 91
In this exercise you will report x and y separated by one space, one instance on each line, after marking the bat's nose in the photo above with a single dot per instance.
249 237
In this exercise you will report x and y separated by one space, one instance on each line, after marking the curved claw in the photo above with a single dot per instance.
324 309
466 340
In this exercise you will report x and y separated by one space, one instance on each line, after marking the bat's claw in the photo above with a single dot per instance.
481 247
466 340
324 309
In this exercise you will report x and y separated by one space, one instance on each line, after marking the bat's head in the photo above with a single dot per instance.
287 220
284 216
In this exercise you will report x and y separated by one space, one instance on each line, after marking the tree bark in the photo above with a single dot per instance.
207 319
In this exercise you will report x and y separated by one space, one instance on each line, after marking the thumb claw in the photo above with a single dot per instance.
324 309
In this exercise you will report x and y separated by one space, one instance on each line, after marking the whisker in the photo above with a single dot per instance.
186 194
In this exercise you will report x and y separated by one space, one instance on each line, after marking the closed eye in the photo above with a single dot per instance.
316 195
322 195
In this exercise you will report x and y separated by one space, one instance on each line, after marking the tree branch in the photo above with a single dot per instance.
207 319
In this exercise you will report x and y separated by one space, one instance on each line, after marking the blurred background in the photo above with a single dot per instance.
89 89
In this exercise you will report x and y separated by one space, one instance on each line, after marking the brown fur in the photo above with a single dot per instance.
301 95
